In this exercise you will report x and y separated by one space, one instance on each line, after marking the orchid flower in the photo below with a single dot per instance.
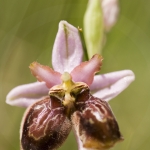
62 99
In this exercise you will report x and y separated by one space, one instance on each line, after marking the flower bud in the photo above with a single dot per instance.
110 13
93 27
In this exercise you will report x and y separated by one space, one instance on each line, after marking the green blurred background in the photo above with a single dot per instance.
27 32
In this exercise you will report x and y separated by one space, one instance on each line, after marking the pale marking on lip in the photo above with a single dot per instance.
91 121
36 121
41 126
38 107
96 114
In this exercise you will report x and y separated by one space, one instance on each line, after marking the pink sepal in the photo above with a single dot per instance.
67 50
108 86
25 95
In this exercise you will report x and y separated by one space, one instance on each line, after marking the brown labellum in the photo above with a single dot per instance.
45 125
47 122
94 122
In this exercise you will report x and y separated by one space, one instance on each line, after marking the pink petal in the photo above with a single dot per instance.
108 86
86 70
25 95
67 50
46 74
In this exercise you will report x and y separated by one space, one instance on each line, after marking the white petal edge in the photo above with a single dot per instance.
67 50
108 86
27 94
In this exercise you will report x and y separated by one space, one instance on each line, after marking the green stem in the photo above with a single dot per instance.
86 58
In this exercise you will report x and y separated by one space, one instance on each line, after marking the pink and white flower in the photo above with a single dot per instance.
67 57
